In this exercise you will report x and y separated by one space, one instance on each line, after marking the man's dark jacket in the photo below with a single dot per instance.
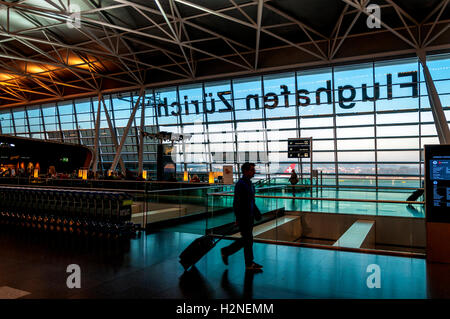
244 203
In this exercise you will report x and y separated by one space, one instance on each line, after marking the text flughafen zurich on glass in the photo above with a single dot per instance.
271 100
367 120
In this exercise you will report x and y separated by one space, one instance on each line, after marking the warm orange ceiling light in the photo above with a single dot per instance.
35 68
75 61
83 64
5 77
42 69
4 83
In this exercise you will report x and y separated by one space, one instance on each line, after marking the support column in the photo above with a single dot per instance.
43 123
159 161
61 136
97 133
113 135
75 116
125 132
28 122
141 140
13 122
440 121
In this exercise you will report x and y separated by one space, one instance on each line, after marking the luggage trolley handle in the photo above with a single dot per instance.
111 198
103 197
115 207
127 217
121 198
100 205
94 199
83 209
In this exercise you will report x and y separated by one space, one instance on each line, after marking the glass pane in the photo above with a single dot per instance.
314 95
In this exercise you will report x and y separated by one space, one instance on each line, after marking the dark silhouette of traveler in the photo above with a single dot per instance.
230 289
416 194
246 211
293 180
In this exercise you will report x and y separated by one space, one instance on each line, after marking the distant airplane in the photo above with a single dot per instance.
290 168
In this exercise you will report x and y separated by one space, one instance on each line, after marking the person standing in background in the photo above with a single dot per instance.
293 180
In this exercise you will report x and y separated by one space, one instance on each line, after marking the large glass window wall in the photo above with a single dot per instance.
368 121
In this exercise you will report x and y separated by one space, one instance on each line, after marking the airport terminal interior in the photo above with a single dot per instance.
124 125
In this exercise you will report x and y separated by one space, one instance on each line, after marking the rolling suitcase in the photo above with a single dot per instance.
197 249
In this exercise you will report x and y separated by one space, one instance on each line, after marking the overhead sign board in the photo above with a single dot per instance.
299 147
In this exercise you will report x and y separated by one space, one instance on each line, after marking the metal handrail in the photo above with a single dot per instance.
110 189
109 180
265 188
330 199
349 186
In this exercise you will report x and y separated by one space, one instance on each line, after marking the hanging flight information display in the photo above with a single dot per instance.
299 147
437 183
437 202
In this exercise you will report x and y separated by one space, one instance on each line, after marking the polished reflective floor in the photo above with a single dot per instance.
147 267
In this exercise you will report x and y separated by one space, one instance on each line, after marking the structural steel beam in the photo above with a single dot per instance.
440 121
96 135
258 30
113 135
141 140
121 43
362 9
127 128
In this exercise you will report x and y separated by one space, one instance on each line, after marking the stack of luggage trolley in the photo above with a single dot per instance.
101 213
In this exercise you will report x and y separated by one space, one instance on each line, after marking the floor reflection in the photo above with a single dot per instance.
194 286
233 292
58 245
413 211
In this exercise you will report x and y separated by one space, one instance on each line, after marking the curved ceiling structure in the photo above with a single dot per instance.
59 49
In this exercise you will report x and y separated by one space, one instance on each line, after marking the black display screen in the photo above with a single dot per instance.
299 147
437 183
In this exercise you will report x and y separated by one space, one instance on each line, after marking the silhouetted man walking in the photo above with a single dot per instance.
245 210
